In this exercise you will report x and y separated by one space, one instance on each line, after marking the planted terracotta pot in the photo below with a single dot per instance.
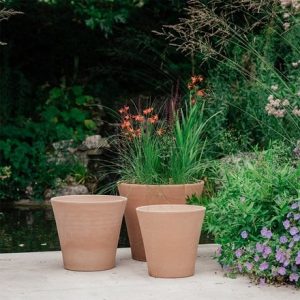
171 235
88 228
141 195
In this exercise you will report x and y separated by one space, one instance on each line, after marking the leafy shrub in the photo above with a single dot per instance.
250 212
66 114
25 148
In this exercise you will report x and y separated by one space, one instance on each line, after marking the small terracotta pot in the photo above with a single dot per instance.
88 228
141 195
171 235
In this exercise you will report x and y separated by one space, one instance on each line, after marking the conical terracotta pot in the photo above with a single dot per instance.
171 235
141 195
88 228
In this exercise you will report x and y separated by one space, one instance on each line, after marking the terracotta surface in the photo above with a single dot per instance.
171 235
88 228
141 195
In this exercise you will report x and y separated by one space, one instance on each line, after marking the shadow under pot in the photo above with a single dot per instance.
88 228
147 194
171 235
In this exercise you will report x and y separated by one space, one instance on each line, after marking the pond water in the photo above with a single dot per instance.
29 230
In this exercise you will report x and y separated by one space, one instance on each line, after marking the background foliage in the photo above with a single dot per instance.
110 52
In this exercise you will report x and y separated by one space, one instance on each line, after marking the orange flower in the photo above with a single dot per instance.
200 93
197 79
153 119
126 124
190 86
130 129
138 132
123 110
160 131
148 110
139 118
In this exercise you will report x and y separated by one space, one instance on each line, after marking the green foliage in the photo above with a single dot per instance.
66 113
186 156
247 61
255 194
103 14
25 148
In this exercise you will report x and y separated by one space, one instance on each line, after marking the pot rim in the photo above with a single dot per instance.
88 199
170 209
159 185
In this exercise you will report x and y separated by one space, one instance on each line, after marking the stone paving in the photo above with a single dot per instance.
40 276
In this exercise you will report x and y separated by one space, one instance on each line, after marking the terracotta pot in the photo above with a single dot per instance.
88 228
171 236
141 195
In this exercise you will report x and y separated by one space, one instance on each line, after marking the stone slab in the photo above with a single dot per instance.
40 276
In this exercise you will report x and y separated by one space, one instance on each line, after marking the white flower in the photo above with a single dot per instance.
280 113
295 4
285 3
286 102
286 25
295 64
271 97
274 87
21 245
296 111
286 15
275 103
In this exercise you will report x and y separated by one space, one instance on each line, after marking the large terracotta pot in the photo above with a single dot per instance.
171 235
88 229
141 195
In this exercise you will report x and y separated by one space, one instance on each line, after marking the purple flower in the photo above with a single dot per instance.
265 232
281 271
267 251
238 253
239 266
296 238
256 258
297 260
294 277
249 266
262 281
280 256
291 244
297 217
244 234
286 263
264 266
259 247
294 230
283 239
286 224
294 205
